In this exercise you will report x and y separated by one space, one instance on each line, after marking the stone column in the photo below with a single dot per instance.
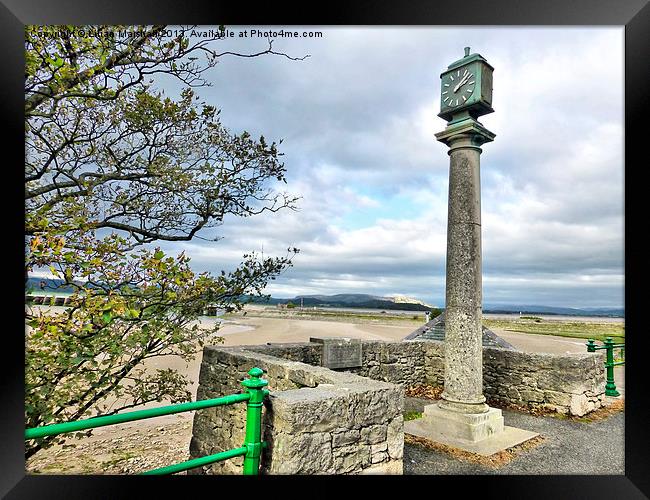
461 417
463 331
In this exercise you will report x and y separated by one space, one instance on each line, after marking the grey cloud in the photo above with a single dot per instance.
361 113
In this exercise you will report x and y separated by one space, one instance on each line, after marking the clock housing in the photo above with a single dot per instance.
476 103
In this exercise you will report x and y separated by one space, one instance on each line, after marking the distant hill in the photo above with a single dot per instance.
361 301
405 303
358 300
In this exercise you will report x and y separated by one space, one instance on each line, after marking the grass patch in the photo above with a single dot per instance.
412 415
571 329
119 457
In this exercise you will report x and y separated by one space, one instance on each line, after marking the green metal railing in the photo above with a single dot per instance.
250 450
609 346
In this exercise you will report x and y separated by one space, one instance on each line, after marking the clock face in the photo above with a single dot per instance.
458 86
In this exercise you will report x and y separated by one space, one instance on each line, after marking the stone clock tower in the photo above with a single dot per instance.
466 94
461 418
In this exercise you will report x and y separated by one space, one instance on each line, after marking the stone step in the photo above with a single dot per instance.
435 330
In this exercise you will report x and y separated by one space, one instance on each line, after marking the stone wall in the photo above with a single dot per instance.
400 363
305 352
564 383
395 362
315 420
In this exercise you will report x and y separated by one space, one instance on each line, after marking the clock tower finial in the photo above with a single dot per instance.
466 51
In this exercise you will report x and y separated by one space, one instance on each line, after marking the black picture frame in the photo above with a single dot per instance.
634 15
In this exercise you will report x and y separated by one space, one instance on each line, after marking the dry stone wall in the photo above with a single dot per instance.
569 383
395 362
564 383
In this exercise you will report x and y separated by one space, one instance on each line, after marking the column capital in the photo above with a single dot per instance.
466 133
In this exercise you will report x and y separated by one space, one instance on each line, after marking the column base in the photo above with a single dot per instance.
481 433
451 405
470 427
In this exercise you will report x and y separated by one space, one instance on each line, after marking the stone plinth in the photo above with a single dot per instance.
481 433
441 429
471 427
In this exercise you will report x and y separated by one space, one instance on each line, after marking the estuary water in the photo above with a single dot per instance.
557 317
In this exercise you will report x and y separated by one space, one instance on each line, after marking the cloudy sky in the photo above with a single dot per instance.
358 118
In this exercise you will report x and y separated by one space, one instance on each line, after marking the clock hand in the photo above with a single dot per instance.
462 82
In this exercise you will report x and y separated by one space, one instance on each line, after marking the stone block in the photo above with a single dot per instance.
532 396
373 434
557 398
513 394
378 457
395 438
345 438
351 459
379 447
304 453
384 468
579 405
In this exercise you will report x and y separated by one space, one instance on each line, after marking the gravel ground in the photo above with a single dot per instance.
568 447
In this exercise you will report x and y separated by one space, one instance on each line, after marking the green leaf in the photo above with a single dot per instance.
106 316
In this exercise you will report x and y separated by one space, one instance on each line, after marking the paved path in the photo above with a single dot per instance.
569 447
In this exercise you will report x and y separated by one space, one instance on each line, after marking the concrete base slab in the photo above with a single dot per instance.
509 437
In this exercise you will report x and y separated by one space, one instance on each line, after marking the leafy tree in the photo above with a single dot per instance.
113 165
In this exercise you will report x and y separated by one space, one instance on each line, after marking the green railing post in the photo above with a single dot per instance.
610 387
591 346
253 443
